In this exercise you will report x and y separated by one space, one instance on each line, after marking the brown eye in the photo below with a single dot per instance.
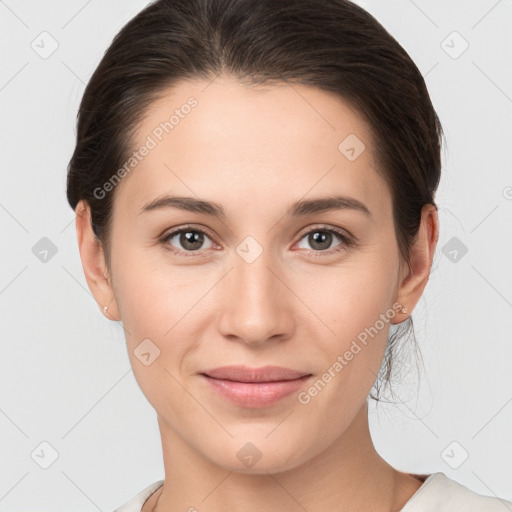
321 240
186 240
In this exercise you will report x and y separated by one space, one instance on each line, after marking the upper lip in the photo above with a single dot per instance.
263 374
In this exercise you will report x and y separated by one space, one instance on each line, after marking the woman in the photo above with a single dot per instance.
254 186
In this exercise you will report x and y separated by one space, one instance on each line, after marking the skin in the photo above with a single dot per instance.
256 150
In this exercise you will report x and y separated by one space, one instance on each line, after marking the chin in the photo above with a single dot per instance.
255 455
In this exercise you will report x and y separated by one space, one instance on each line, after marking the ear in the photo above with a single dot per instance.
415 278
93 262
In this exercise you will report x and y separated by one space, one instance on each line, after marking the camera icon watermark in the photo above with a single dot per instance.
351 147
454 45
44 250
44 455
146 352
249 249
454 455
454 249
249 454
44 45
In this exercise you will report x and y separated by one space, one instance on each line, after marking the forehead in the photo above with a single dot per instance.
273 143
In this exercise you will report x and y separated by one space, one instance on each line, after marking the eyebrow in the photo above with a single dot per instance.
300 208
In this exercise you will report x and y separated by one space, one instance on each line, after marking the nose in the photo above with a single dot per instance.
257 306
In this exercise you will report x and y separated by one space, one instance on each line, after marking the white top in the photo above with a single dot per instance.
438 493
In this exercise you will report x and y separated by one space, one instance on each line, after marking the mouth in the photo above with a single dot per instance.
255 387
263 374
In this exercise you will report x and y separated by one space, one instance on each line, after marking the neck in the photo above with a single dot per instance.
348 475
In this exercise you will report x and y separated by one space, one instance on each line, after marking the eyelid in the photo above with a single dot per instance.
327 227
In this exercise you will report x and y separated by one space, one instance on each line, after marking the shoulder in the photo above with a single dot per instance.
135 503
440 493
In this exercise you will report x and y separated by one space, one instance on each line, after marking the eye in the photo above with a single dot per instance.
321 239
190 239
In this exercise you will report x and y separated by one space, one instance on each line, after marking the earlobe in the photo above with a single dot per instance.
421 256
94 264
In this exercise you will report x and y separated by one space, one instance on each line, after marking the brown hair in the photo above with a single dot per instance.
334 45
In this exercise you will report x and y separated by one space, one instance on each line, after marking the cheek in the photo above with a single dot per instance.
154 315
153 295
166 305
357 307
354 297
359 312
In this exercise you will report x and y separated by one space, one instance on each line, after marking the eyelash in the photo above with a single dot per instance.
347 241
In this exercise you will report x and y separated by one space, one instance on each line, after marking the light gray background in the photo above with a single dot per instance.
65 378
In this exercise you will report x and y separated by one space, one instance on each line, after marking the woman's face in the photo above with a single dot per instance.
264 284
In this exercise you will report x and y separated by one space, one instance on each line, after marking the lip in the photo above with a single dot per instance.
255 387
263 374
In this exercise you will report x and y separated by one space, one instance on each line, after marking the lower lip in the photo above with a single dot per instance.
255 394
